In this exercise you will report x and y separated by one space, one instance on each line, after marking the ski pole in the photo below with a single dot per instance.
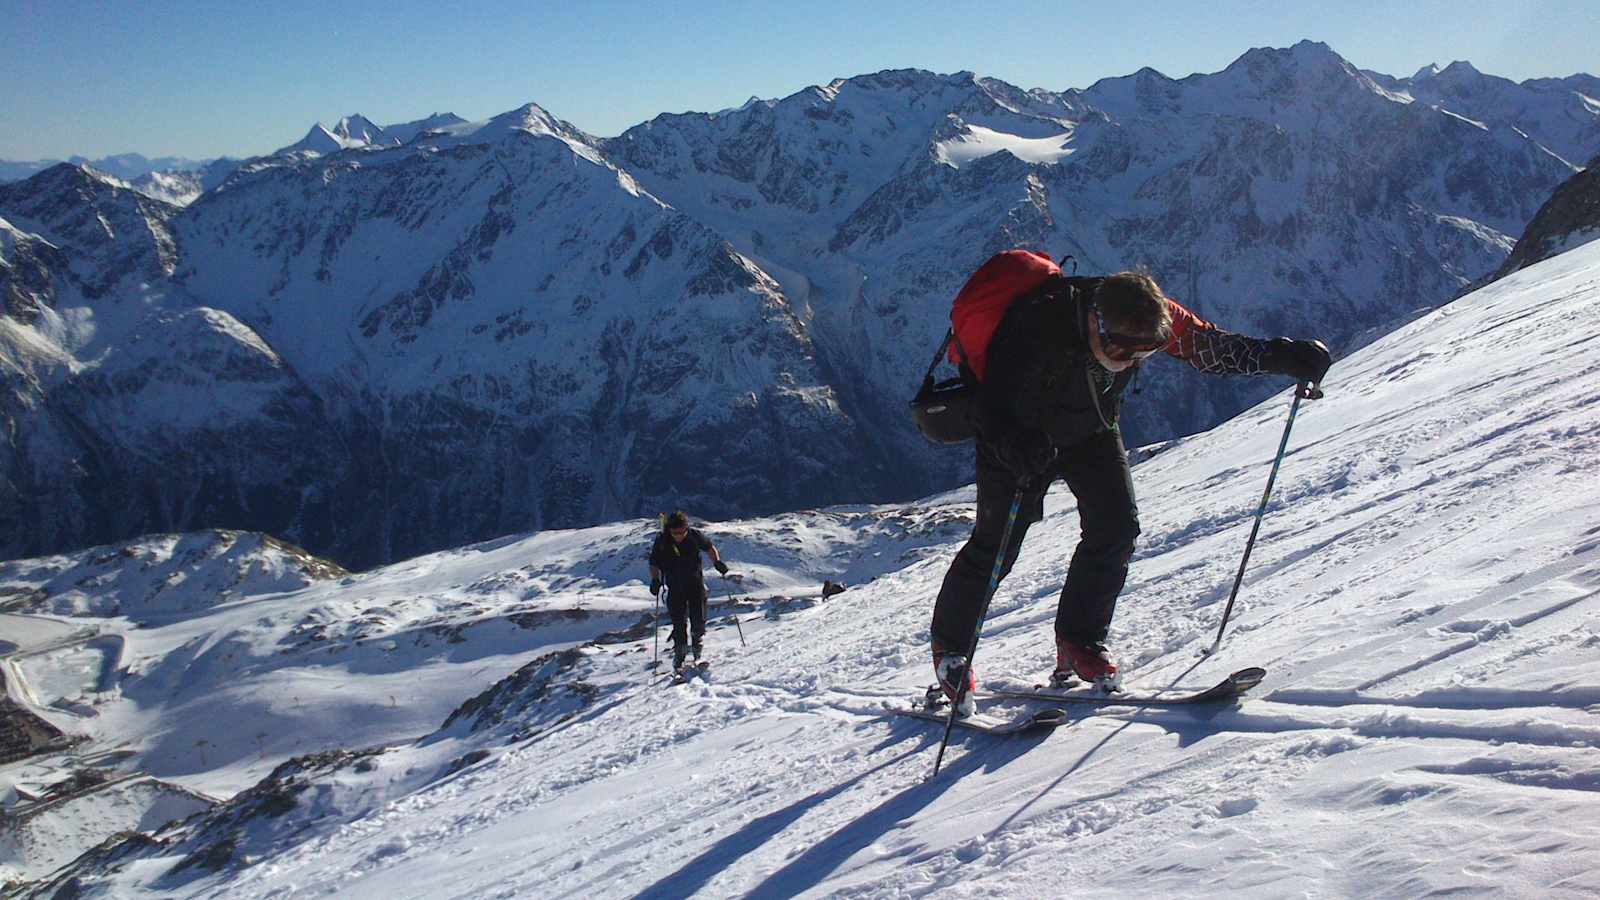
705 607
655 663
1303 390
972 648
728 582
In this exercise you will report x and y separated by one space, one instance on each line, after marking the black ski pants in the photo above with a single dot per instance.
687 602
1096 470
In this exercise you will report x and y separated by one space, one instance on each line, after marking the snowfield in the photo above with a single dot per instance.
1424 594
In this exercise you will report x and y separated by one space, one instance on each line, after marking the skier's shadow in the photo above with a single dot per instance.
809 868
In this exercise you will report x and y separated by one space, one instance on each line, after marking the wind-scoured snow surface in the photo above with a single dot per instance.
1424 594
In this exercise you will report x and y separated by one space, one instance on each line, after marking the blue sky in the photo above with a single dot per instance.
203 79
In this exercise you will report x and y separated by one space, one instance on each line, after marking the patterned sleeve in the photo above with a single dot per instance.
1210 349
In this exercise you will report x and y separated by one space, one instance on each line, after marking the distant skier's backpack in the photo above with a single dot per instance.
945 412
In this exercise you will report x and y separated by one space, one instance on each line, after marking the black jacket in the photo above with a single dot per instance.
1044 382
680 563
1042 376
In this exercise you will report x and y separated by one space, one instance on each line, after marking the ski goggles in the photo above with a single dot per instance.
1124 347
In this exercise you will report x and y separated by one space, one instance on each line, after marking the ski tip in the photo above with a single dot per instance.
1050 718
1245 679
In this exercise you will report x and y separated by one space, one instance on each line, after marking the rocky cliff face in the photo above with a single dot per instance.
1570 218
511 324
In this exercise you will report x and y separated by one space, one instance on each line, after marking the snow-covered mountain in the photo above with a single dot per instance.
512 324
356 132
1560 110
348 133
182 187
1424 595
111 235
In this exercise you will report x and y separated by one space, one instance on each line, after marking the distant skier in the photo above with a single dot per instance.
675 561
1051 378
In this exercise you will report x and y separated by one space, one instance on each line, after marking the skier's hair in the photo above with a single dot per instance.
678 519
1133 304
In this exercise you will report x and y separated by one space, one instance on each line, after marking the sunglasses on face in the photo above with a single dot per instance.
1124 347
680 532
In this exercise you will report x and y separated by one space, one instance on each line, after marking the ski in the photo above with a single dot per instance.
1227 689
1040 720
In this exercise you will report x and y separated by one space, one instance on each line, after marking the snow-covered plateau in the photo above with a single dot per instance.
384 341
1424 596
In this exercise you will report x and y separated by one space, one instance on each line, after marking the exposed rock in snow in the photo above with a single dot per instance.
1570 218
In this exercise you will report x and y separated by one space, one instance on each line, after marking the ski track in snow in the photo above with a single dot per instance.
1425 595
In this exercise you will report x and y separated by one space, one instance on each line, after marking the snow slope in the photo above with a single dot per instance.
1425 596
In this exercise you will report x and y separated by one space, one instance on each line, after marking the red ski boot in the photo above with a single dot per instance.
1088 662
952 670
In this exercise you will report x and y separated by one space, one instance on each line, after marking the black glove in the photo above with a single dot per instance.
1304 361
655 585
1028 454
722 567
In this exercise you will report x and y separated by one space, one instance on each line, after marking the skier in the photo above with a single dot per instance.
675 561
1057 364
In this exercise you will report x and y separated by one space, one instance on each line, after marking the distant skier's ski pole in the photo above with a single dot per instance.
656 622
1303 390
728 582
972 649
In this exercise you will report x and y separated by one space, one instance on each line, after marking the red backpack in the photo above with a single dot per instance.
986 296
944 411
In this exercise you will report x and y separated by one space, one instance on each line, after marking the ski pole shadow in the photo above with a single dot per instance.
1141 715
808 870
699 871
811 867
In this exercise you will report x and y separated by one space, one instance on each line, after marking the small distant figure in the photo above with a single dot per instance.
675 562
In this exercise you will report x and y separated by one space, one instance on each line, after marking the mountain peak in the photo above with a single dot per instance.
912 80
1307 47
359 128
68 175
349 132
1460 70
1302 55
1309 69
318 140
531 117
406 132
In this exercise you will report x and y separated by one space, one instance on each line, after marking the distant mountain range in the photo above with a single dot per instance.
358 132
181 181
377 342
126 166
